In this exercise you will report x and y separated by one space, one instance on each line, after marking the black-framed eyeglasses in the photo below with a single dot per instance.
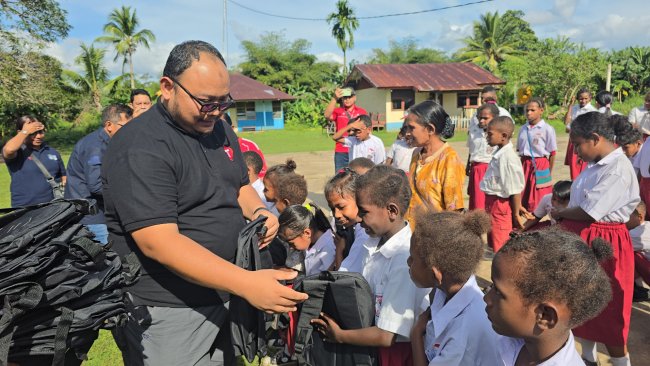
207 107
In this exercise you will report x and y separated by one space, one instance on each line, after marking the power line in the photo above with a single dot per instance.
365 17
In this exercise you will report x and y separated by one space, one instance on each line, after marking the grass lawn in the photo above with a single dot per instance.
104 350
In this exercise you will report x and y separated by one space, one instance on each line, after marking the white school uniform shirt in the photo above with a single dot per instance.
354 261
509 349
642 161
576 111
258 186
542 135
603 110
505 175
401 153
608 191
640 116
320 256
544 208
397 300
641 238
459 332
479 150
372 148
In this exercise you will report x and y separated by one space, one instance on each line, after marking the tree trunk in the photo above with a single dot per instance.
131 66
97 101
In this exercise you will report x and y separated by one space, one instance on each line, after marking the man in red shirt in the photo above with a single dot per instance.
348 110
248 145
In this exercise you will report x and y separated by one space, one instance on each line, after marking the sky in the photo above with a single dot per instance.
596 23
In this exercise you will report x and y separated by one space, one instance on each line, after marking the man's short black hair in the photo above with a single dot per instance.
363 118
183 55
135 92
253 160
488 89
112 113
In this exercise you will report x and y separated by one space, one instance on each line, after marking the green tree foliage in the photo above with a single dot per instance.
516 31
30 83
42 20
344 23
122 32
631 68
94 80
406 51
488 46
288 66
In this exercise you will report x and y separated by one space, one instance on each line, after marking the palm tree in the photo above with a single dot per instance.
94 79
487 46
121 31
345 23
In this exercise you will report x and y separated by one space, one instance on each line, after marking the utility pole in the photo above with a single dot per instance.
609 77
224 31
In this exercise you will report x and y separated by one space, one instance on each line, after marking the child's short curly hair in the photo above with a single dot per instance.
383 184
450 241
557 265
291 187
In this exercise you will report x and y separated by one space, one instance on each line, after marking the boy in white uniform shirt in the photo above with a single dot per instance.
360 140
254 163
640 118
480 154
557 200
503 183
400 153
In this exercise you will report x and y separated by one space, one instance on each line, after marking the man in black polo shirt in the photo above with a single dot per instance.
176 192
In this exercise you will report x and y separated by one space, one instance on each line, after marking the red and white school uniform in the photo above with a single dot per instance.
641 243
576 165
503 178
544 145
248 145
397 300
642 166
509 349
480 154
608 191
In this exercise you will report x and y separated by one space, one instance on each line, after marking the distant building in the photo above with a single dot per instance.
386 91
259 106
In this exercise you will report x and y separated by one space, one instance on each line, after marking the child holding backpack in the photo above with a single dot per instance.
545 283
446 248
383 196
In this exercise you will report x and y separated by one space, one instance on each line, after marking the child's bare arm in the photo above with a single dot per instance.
551 162
417 339
515 206
573 213
371 336
530 223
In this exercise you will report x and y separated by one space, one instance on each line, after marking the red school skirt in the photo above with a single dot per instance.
399 354
644 190
476 196
576 165
501 220
612 325
531 196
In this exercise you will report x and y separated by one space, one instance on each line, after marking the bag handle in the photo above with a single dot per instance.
15 305
530 146
61 336
310 310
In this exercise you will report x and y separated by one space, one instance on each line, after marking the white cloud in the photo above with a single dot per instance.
330 57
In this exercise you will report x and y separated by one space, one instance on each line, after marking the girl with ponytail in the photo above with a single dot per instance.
604 101
437 172
602 200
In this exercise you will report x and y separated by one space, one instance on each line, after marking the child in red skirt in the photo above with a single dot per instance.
602 200
480 154
537 146
503 183
545 283
576 165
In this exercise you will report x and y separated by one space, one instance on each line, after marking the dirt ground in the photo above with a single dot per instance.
318 167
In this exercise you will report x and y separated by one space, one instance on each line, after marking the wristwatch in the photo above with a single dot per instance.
24 132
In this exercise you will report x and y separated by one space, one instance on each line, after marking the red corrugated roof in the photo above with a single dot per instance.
426 77
244 88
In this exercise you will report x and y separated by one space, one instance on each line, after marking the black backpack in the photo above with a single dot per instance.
348 299
58 286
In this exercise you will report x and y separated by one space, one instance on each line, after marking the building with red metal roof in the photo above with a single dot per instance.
259 106
387 91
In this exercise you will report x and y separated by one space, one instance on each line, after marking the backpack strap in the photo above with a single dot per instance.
15 305
310 310
61 337
93 249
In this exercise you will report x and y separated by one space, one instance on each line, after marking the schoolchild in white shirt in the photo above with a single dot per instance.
446 248
400 153
480 154
558 199
640 234
360 140
544 284
639 117
642 168
576 166
602 200
311 233
631 142
350 238
254 163
502 184
383 196
604 100
537 146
